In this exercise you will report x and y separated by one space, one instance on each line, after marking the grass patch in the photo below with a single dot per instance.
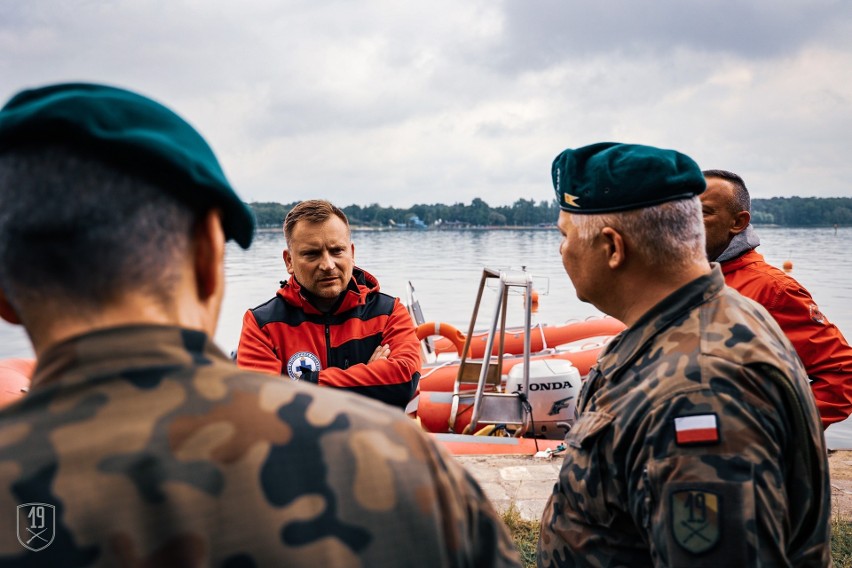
525 535
841 542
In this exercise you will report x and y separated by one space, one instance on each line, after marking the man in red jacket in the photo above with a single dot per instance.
329 324
731 241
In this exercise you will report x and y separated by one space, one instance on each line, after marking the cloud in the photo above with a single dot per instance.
398 104
545 32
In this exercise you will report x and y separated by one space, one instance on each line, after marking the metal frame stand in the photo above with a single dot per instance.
490 405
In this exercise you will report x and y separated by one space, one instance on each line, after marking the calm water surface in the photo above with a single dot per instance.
445 268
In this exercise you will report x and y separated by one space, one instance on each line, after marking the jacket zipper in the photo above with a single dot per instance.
327 345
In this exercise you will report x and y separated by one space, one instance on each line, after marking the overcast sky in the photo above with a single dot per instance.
398 103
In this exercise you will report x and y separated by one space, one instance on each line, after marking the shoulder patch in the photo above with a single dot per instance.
696 429
695 519
703 522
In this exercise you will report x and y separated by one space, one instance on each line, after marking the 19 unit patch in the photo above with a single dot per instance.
695 519
36 525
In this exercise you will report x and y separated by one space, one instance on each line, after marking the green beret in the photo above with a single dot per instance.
609 176
133 133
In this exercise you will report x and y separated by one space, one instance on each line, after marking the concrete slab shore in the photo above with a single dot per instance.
528 482
523 480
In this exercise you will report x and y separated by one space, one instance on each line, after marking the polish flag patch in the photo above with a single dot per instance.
696 429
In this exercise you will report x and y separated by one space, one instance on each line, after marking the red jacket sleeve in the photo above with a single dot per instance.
821 347
255 350
401 369
824 351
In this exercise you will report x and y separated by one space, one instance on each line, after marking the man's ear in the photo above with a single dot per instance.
614 248
209 251
288 260
7 312
741 221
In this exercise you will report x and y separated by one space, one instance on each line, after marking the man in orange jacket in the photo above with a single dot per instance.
731 241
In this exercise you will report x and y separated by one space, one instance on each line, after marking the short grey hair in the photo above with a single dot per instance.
670 234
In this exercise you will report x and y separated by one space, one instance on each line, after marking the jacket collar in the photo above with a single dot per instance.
749 257
631 343
85 358
741 243
360 287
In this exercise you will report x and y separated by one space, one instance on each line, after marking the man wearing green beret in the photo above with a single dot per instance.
140 443
697 441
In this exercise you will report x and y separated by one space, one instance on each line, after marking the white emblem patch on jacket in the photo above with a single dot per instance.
301 362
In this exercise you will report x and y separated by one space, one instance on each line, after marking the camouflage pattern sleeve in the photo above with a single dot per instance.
710 488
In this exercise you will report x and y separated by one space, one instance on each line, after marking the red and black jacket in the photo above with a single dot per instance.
287 335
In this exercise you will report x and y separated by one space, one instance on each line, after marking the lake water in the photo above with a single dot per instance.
445 268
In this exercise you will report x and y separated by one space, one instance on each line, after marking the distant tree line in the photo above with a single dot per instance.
787 211
802 211
522 213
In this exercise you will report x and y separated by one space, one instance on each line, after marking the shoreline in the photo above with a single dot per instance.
366 228
362 228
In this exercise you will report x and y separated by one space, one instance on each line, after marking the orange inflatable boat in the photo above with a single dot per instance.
434 403
14 379
521 382
542 336
469 444
441 377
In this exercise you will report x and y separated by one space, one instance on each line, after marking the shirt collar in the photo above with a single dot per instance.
102 352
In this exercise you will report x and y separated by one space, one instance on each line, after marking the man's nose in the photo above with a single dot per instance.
327 261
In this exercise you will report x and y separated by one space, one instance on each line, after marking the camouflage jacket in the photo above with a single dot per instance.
697 444
146 446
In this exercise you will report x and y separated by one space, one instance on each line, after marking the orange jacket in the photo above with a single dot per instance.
822 348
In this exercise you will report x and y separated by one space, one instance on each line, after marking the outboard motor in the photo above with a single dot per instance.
554 387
